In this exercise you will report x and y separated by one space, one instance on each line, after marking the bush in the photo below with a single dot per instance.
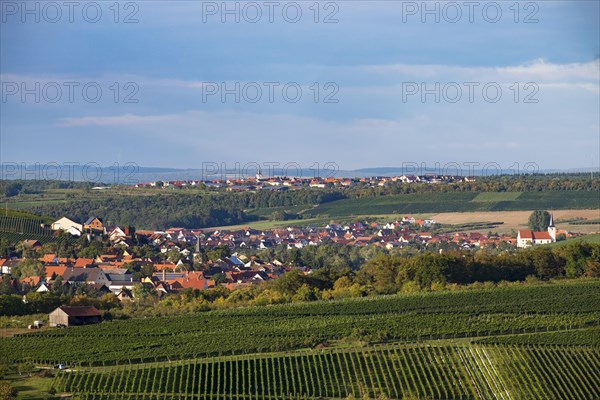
7 392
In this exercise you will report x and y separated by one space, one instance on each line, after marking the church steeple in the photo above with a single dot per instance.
552 228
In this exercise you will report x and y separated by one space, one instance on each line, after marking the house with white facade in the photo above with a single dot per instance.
65 224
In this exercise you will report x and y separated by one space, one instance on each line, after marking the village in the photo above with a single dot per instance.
258 182
178 265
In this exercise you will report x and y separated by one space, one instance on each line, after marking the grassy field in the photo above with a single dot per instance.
594 239
496 196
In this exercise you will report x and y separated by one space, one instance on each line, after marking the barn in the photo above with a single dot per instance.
69 316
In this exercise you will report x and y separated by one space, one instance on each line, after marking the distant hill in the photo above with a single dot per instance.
132 174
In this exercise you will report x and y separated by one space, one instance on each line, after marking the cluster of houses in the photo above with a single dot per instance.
282 183
401 233
111 273
92 225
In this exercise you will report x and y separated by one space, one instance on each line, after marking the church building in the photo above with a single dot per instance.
527 238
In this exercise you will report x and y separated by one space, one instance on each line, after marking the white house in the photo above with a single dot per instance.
65 224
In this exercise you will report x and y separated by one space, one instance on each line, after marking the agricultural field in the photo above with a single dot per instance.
458 202
575 220
424 371
17 228
515 220
511 342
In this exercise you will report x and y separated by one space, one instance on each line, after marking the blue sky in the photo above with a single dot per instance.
382 83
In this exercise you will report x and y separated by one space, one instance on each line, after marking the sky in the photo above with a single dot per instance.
354 84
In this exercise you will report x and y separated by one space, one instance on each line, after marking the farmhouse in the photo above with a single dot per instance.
69 316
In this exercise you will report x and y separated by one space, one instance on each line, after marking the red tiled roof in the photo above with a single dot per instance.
529 234
164 267
48 258
58 270
542 236
83 262
31 280
526 234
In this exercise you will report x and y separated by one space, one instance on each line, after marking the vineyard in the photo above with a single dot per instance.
398 318
16 229
514 342
396 372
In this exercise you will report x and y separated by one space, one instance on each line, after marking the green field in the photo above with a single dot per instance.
595 238
496 196
458 202
510 342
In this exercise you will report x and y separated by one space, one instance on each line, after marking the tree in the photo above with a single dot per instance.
43 302
219 279
174 256
7 392
381 273
91 249
218 252
547 265
29 267
25 250
57 284
12 305
306 293
144 293
539 220
7 285
290 282
577 254
12 189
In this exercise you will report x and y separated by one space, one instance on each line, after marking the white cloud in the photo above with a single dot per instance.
537 70
117 120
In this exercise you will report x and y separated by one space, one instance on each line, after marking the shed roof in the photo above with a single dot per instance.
82 311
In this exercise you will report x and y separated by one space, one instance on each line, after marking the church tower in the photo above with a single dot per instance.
552 228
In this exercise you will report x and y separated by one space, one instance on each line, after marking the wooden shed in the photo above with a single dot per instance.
69 316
